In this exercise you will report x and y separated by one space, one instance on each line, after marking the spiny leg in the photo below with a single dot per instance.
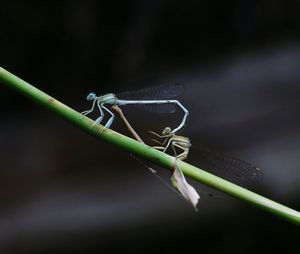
159 147
166 139
156 141
99 119
174 150
168 144
86 112
163 148
161 143
159 136
111 119
185 152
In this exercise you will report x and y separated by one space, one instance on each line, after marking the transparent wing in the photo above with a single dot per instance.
228 167
158 108
162 92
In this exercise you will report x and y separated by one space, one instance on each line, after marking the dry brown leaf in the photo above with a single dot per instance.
187 191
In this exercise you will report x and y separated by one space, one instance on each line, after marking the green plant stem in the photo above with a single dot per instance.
143 150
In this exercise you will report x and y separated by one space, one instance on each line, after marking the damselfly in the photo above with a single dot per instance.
156 99
175 141
216 162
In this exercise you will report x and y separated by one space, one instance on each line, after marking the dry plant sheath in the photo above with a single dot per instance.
119 111
143 150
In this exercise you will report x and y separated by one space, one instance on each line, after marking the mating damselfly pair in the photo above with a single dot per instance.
159 99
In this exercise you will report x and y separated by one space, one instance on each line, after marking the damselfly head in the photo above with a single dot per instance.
166 131
91 96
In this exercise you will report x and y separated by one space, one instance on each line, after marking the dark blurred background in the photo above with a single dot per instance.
62 190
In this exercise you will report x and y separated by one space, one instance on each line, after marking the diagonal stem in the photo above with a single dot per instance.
143 150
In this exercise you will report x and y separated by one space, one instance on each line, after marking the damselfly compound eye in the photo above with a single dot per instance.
91 96
166 131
